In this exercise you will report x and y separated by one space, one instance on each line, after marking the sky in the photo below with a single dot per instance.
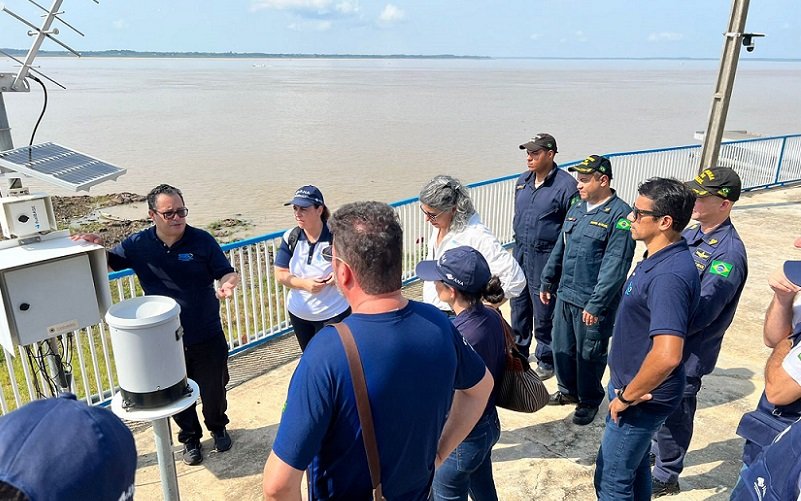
495 28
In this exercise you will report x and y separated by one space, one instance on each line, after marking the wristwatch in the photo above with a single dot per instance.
621 398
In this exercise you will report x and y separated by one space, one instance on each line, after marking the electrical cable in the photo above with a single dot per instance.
44 107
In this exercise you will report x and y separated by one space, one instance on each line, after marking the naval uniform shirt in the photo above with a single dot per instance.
723 268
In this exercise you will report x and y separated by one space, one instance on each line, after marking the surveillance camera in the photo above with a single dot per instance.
748 40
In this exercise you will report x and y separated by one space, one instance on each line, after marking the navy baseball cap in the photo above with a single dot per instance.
542 141
792 270
61 448
462 268
306 196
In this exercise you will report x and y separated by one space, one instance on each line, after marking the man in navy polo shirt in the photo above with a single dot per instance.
426 386
179 261
719 255
647 375
543 195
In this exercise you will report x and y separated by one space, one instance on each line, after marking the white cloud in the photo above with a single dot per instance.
291 4
580 36
119 24
347 7
535 36
665 36
311 26
391 14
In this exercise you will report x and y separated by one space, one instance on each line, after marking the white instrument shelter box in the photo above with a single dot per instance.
50 288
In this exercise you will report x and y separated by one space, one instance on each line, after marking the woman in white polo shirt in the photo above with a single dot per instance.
313 301
447 206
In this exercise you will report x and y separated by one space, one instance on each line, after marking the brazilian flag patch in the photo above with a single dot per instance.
721 268
574 200
623 224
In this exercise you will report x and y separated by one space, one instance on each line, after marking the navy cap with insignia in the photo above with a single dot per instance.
542 141
723 182
593 163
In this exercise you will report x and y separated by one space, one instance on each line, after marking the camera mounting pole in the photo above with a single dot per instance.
728 69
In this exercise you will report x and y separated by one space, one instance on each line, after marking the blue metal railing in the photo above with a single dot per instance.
257 313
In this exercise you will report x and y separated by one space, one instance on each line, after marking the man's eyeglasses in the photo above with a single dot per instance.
328 254
171 214
430 216
638 213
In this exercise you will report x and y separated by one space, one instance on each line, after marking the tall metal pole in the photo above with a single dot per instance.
725 84
5 128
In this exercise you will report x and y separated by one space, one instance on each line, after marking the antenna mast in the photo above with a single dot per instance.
18 83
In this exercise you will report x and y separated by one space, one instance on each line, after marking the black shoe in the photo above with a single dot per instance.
191 454
584 414
559 398
543 371
222 440
659 488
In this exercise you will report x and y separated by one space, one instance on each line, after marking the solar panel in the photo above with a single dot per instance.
59 165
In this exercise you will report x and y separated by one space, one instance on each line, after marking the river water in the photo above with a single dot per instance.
239 135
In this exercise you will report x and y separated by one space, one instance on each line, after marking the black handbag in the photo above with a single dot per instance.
520 389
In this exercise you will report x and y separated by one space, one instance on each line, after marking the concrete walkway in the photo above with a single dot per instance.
542 455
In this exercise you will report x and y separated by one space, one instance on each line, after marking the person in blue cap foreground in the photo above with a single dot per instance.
462 279
59 449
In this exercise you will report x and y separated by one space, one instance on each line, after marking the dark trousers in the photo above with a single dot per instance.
529 314
673 438
580 353
306 329
207 365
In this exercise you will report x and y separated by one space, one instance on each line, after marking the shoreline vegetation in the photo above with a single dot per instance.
85 214
124 53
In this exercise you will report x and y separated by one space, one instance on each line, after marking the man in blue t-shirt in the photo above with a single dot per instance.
176 260
645 361
427 388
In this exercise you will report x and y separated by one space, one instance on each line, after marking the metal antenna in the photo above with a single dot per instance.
18 83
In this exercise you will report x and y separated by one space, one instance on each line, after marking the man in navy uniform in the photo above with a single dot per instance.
720 257
589 264
543 195
645 362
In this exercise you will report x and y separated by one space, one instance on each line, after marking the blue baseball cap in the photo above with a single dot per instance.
306 196
462 268
61 448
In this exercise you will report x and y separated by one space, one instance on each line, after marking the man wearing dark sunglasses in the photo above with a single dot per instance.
543 195
645 361
720 257
179 261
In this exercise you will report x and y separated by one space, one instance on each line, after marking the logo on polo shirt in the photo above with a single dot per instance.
629 288
721 268
186 257
700 253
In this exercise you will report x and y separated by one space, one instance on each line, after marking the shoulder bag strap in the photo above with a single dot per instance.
362 405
